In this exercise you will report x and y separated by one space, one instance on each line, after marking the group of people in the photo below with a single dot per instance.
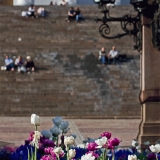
32 12
74 14
62 3
110 57
20 64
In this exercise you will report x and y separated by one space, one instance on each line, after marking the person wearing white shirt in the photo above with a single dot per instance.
31 11
112 55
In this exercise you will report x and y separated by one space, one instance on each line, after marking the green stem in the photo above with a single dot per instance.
113 154
156 157
104 154
67 153
35 153
35 157
57 141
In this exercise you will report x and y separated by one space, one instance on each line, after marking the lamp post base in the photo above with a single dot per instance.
149 129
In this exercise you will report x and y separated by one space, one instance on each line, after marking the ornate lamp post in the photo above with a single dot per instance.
146 33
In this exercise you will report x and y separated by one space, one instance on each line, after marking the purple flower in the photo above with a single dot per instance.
151 156
48 143
113 142
106 134
92 146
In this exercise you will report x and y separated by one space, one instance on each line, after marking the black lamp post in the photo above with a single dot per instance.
145 7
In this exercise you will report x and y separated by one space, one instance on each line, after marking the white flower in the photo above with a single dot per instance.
36 137
101 142
69 140
88 157
134 143
58 151
71 153
132 157
57 120
155 149
35 120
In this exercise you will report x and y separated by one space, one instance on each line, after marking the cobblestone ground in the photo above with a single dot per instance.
16 129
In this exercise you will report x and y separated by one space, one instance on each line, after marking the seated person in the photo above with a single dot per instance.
9 63
19 63
63 3
29 64
112 55
31 11
102 55
41 11
71 14
78 14
51 3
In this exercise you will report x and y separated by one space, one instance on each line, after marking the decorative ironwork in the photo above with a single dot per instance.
125 21
156 30
149 8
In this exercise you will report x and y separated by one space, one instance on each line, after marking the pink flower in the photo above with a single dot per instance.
31 136
106 134
113 142
48 150
46 157
92 146
109 146
93 154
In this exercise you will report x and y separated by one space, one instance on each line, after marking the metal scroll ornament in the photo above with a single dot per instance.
125 22
156 30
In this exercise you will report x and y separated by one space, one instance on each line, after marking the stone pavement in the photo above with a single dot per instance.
16 129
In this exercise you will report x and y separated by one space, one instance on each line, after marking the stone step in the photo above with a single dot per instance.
69 81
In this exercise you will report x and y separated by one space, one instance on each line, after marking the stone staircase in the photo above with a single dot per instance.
70 80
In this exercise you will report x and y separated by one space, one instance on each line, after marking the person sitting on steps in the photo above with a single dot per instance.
63 3
29 64
41 11
31 11
78 14
9 64
19 64
102 56
112 55
71 14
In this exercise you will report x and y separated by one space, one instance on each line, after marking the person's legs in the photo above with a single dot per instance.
19 69
33 69
33 15
114 60
103 59
42 13
10 67
109 60
77 17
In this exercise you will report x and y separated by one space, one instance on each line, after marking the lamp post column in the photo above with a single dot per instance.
150 87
